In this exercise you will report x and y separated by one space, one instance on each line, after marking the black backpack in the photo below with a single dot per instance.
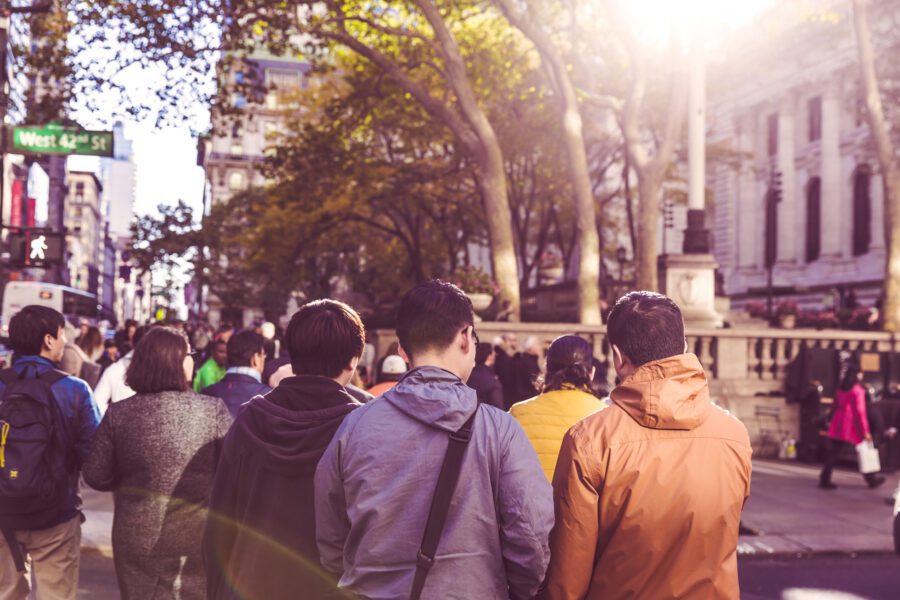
35 464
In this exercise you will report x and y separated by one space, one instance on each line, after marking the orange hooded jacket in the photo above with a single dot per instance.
649 492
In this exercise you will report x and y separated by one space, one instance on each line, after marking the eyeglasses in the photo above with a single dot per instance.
474 334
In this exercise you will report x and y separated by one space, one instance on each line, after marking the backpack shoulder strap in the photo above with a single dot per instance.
440 503
53 375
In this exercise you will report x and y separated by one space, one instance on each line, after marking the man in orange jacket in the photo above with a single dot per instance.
649 492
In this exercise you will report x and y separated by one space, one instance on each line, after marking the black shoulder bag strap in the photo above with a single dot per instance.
440 503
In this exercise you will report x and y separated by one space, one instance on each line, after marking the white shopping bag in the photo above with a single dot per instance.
869 462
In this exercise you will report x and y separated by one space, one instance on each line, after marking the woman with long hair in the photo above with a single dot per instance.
158 451
565 398
849 424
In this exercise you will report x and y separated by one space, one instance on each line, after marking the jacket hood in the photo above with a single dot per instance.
671 393
294 423
434 397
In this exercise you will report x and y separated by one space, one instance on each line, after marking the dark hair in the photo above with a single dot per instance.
140 332
158 362
110 344
850 374
569 362
130 323
646 327
28 327
242 346
323 337
482 351
431 315
91 340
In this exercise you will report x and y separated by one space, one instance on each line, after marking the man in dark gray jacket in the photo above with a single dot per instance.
375 482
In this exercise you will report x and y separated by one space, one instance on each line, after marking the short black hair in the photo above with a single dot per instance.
431 315
28 327
110 344
323 337
242 346
158 362
646 327
482 352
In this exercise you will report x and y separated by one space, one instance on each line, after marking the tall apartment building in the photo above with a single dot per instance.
85 227
790 101
232 153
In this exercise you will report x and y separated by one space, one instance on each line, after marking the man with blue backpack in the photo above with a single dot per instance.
47 422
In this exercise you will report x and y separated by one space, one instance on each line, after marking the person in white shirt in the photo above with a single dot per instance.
112 387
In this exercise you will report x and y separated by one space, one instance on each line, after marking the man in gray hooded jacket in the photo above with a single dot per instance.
376 480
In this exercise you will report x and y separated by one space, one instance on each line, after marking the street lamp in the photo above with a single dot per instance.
621 255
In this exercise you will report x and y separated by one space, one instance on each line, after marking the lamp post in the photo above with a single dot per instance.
621 255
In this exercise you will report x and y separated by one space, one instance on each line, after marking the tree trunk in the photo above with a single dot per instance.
585 220
492 183
889 171
489 160
646 277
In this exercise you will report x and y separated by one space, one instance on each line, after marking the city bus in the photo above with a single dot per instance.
74 304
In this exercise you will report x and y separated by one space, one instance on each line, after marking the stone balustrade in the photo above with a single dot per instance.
746 366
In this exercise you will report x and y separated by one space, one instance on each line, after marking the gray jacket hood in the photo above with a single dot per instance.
434 397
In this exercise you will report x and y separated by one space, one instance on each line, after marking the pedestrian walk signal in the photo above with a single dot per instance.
37 248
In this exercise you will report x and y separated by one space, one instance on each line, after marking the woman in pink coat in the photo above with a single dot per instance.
849 425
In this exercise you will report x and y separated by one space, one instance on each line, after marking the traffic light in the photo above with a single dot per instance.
32 247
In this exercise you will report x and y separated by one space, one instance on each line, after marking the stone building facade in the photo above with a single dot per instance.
807 198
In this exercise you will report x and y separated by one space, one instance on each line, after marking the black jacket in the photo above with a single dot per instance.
260 538
487 386
527 369
505 368
234 389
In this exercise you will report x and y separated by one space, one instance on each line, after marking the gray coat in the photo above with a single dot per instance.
374 485
158 453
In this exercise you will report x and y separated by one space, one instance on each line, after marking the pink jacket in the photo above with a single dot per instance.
849 422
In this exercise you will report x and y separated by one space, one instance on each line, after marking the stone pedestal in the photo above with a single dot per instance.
689 280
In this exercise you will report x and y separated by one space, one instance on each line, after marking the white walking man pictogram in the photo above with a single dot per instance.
38 247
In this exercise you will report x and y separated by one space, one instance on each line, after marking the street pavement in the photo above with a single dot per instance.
795 518
820 578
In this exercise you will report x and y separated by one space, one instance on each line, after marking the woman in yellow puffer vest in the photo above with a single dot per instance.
564 400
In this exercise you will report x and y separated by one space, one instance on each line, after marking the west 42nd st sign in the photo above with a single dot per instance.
58 139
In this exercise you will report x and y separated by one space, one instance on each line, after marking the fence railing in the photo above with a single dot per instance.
762 354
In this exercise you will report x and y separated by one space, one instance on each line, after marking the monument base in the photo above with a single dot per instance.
689 280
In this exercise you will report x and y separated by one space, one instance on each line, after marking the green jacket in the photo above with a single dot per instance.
211 372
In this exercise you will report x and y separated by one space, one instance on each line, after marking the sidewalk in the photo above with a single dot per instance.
793 516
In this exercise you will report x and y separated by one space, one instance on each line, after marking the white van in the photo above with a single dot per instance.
74 304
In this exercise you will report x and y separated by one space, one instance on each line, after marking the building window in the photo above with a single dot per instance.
236 181
236 131
238 101
815 118
862 210
282 79
813 219
772 130
771 229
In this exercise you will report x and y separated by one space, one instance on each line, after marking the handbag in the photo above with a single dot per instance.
869 461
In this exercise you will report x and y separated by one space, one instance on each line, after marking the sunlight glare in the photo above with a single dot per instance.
653 19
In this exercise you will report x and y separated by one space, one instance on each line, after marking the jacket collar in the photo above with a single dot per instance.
671 393
244 372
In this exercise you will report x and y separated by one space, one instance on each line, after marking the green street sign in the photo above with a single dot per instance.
57 139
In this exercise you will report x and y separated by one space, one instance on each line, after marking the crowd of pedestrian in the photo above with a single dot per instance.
247 464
